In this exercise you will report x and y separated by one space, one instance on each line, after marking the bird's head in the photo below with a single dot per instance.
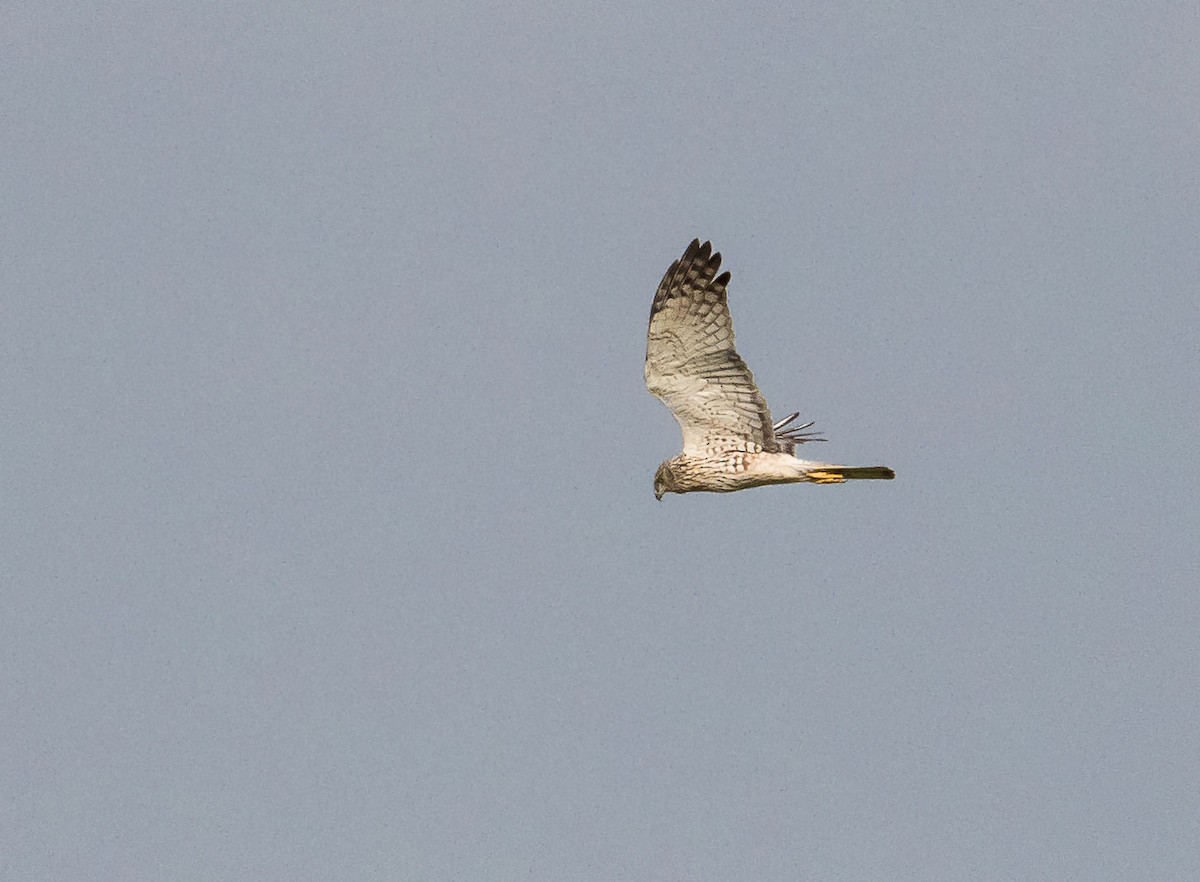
664 481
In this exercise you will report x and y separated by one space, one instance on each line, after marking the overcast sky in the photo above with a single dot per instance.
328 543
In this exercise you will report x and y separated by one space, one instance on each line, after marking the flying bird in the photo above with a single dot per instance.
729 440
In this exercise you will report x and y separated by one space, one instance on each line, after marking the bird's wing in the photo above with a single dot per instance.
788 438
691 365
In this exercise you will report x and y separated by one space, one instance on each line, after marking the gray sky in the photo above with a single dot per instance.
329 546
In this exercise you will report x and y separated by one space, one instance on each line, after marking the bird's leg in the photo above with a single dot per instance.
825 478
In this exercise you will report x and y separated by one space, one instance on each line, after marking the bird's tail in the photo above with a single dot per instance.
864 473
835 474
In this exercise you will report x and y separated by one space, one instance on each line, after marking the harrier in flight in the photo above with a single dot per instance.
729 440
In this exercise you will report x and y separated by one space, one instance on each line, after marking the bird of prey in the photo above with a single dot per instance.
729 440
